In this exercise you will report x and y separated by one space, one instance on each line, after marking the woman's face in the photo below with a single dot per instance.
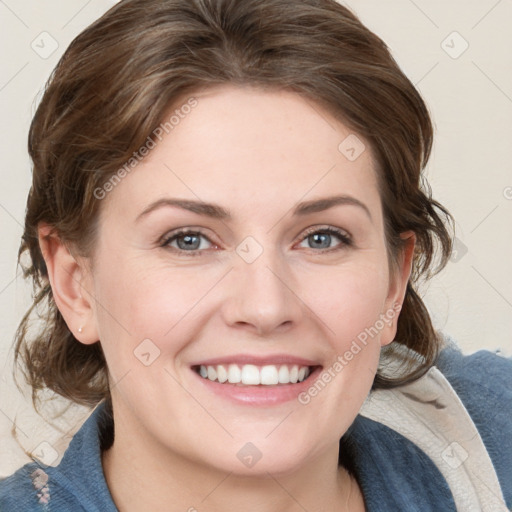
261 280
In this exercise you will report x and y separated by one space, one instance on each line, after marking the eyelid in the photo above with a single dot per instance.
326 228
344 236
165 241
183 230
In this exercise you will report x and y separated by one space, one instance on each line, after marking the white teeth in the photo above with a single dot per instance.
284 375
252 375
222 374
294 374
234 374
212 373
269 375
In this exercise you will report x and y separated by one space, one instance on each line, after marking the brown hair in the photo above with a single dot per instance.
119 77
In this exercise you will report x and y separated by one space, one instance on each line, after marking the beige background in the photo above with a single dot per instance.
466 79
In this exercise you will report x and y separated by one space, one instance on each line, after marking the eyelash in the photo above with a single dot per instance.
346 240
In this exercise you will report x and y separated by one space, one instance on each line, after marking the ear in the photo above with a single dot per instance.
397 288
69 287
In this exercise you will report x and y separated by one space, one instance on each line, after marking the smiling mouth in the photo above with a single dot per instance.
252 375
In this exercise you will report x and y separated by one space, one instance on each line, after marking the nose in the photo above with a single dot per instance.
262 295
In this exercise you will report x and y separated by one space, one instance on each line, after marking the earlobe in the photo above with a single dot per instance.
67 280
398 288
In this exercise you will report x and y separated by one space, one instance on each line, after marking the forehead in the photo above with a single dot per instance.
245 146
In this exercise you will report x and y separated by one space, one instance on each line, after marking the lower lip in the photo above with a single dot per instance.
259 395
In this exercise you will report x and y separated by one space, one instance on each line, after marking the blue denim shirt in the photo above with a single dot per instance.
394 474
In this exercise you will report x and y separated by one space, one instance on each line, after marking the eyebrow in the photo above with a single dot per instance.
218 212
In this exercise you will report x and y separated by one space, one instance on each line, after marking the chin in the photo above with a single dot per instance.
278 456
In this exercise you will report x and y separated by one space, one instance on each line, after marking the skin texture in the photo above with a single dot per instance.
257 154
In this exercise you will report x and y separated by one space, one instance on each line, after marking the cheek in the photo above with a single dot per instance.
350 306
348 299
147 299
148 310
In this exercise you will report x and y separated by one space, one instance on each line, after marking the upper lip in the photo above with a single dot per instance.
257 360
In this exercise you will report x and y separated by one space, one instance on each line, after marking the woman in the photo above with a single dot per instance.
227 223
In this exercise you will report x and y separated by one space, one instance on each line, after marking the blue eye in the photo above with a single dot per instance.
322 238
187 242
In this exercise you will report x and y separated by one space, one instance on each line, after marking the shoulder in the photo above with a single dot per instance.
37 488
484 367
483 382
24 490
76 483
